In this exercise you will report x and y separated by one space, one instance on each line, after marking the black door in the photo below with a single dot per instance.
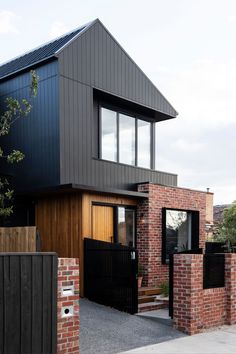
110 275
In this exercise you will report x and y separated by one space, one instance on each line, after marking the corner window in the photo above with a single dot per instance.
109 135
180 231
144 143
125 139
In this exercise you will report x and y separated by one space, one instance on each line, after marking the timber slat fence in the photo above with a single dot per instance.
18 239
28 303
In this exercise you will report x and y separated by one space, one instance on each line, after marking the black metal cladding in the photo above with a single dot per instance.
110 275
59 137
37 135
213 271
28 303
91 67
215 247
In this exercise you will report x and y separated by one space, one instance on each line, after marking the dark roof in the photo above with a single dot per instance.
37 55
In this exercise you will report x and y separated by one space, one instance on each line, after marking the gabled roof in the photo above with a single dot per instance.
39 54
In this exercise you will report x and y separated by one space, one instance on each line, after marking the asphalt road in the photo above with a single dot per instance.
104 330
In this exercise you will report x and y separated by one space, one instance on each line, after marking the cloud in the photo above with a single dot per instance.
199 145
7 19
58 29
231 18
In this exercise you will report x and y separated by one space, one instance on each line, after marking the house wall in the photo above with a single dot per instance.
197 309
96 61
149 225
37 135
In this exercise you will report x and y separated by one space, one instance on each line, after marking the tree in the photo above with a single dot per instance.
13 110
227 229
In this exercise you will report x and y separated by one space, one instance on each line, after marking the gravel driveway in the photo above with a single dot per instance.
104 330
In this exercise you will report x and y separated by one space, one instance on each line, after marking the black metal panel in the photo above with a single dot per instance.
213 271
37 135
110 275
28 303
215 247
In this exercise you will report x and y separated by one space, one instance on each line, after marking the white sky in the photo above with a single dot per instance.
186 47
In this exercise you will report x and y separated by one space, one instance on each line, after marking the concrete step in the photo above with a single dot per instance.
150 306
146 298
149 291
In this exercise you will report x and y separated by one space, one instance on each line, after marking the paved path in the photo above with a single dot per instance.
221 341
104 330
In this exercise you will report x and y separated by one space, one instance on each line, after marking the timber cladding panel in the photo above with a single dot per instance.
28 303
18 239
58 220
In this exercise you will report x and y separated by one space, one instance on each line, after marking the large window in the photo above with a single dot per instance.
144 143
125 139
109 135
180 231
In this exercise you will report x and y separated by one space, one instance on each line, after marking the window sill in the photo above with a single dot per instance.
124 164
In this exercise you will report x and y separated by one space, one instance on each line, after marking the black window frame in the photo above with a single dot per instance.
195 230
137 117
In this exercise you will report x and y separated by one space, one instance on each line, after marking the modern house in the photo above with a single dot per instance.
90 166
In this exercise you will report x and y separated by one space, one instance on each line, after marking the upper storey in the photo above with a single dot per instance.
93 120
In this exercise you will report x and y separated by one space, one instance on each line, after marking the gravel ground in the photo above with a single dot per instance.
104 330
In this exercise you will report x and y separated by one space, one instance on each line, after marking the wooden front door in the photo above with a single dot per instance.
103 223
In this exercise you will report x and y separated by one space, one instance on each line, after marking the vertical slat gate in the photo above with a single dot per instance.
110 275
28 303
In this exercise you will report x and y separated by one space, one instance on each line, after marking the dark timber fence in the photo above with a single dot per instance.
28 303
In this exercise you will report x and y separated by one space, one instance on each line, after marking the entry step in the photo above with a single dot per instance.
150 306
149 291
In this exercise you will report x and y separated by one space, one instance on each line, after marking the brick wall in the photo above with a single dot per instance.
196 309
149 225
68 327
230 278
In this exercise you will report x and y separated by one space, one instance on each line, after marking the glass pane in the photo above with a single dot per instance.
126 226
109 135
144 143
178 231
127 139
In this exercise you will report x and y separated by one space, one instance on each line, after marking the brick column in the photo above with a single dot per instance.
230 284
68 306
188 292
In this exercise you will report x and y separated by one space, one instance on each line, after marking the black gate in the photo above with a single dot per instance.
171 276
110 275
28 303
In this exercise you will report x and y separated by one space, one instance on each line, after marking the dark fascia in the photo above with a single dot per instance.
70 188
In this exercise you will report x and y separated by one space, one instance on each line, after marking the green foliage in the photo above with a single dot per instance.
164 289
14 110
227 229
